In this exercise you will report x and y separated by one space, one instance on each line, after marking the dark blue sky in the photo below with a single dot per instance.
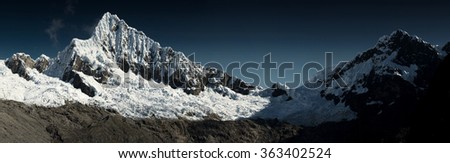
228 30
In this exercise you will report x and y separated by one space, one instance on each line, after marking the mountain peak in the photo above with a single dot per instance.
108 23
107 17
398 39
399 33
114 45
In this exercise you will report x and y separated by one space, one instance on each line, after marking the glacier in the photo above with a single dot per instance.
130 99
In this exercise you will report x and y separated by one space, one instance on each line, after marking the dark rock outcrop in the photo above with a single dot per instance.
19 62
278 90
77 81
42 63
214 77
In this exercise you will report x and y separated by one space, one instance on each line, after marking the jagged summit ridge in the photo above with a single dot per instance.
110 24
396 36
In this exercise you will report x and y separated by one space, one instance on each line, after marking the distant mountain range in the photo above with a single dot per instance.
120 68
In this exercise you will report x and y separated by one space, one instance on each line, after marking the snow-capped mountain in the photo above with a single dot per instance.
387 80
115 45
393 73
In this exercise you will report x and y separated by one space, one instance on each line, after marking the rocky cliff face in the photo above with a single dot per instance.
216 78
20 62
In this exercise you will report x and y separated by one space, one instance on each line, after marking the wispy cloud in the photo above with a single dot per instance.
89 29
53 29
70 7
